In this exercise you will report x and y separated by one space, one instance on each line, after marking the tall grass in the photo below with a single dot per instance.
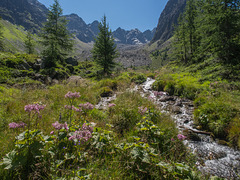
126 142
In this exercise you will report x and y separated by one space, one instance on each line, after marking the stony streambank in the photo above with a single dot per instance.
213 158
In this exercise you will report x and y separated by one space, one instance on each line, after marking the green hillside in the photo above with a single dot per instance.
14 37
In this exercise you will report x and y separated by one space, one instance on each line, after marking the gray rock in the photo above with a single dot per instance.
176 110
48 80
74 79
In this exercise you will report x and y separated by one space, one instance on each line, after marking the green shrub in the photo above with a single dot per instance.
159 85
170 88
234 133
112 84
215 116
138 78
105 92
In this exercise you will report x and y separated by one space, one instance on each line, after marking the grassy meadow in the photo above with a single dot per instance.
127 141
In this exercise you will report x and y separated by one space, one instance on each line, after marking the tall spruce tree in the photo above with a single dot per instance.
29 44
104 50
56 38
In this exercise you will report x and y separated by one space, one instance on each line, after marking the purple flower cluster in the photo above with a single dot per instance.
142 110
86 127
69 107
181 137
157 94
72 95
34 107
14 125
59 126
73 108
86 106
82 135
111 105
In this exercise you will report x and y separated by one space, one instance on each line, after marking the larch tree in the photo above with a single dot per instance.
55 37
29 43
104 49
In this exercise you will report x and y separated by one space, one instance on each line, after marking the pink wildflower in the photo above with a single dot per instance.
65 126
156 93
181 137
86 106
77 109
52 132
150 97
67 107
59 126
71 138
14 125
85 127
72 95
111 105
142 110
34 107
82 135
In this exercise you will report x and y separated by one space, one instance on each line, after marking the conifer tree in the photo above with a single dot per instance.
221 24
180 44
185 34
56 38
104 50
29 44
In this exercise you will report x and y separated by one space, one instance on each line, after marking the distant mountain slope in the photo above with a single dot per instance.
168 18
28 13
87 32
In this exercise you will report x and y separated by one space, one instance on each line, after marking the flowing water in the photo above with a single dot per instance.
213 158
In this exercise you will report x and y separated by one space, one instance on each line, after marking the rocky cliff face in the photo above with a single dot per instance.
27 13
77 26
168 18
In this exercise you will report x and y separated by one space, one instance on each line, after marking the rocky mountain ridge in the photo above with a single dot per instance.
87 32
31 14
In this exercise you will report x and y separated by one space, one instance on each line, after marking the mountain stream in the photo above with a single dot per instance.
213 158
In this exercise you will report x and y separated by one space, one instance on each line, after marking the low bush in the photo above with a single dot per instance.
138 78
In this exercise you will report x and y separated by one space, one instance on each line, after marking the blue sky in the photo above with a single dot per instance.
127 14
